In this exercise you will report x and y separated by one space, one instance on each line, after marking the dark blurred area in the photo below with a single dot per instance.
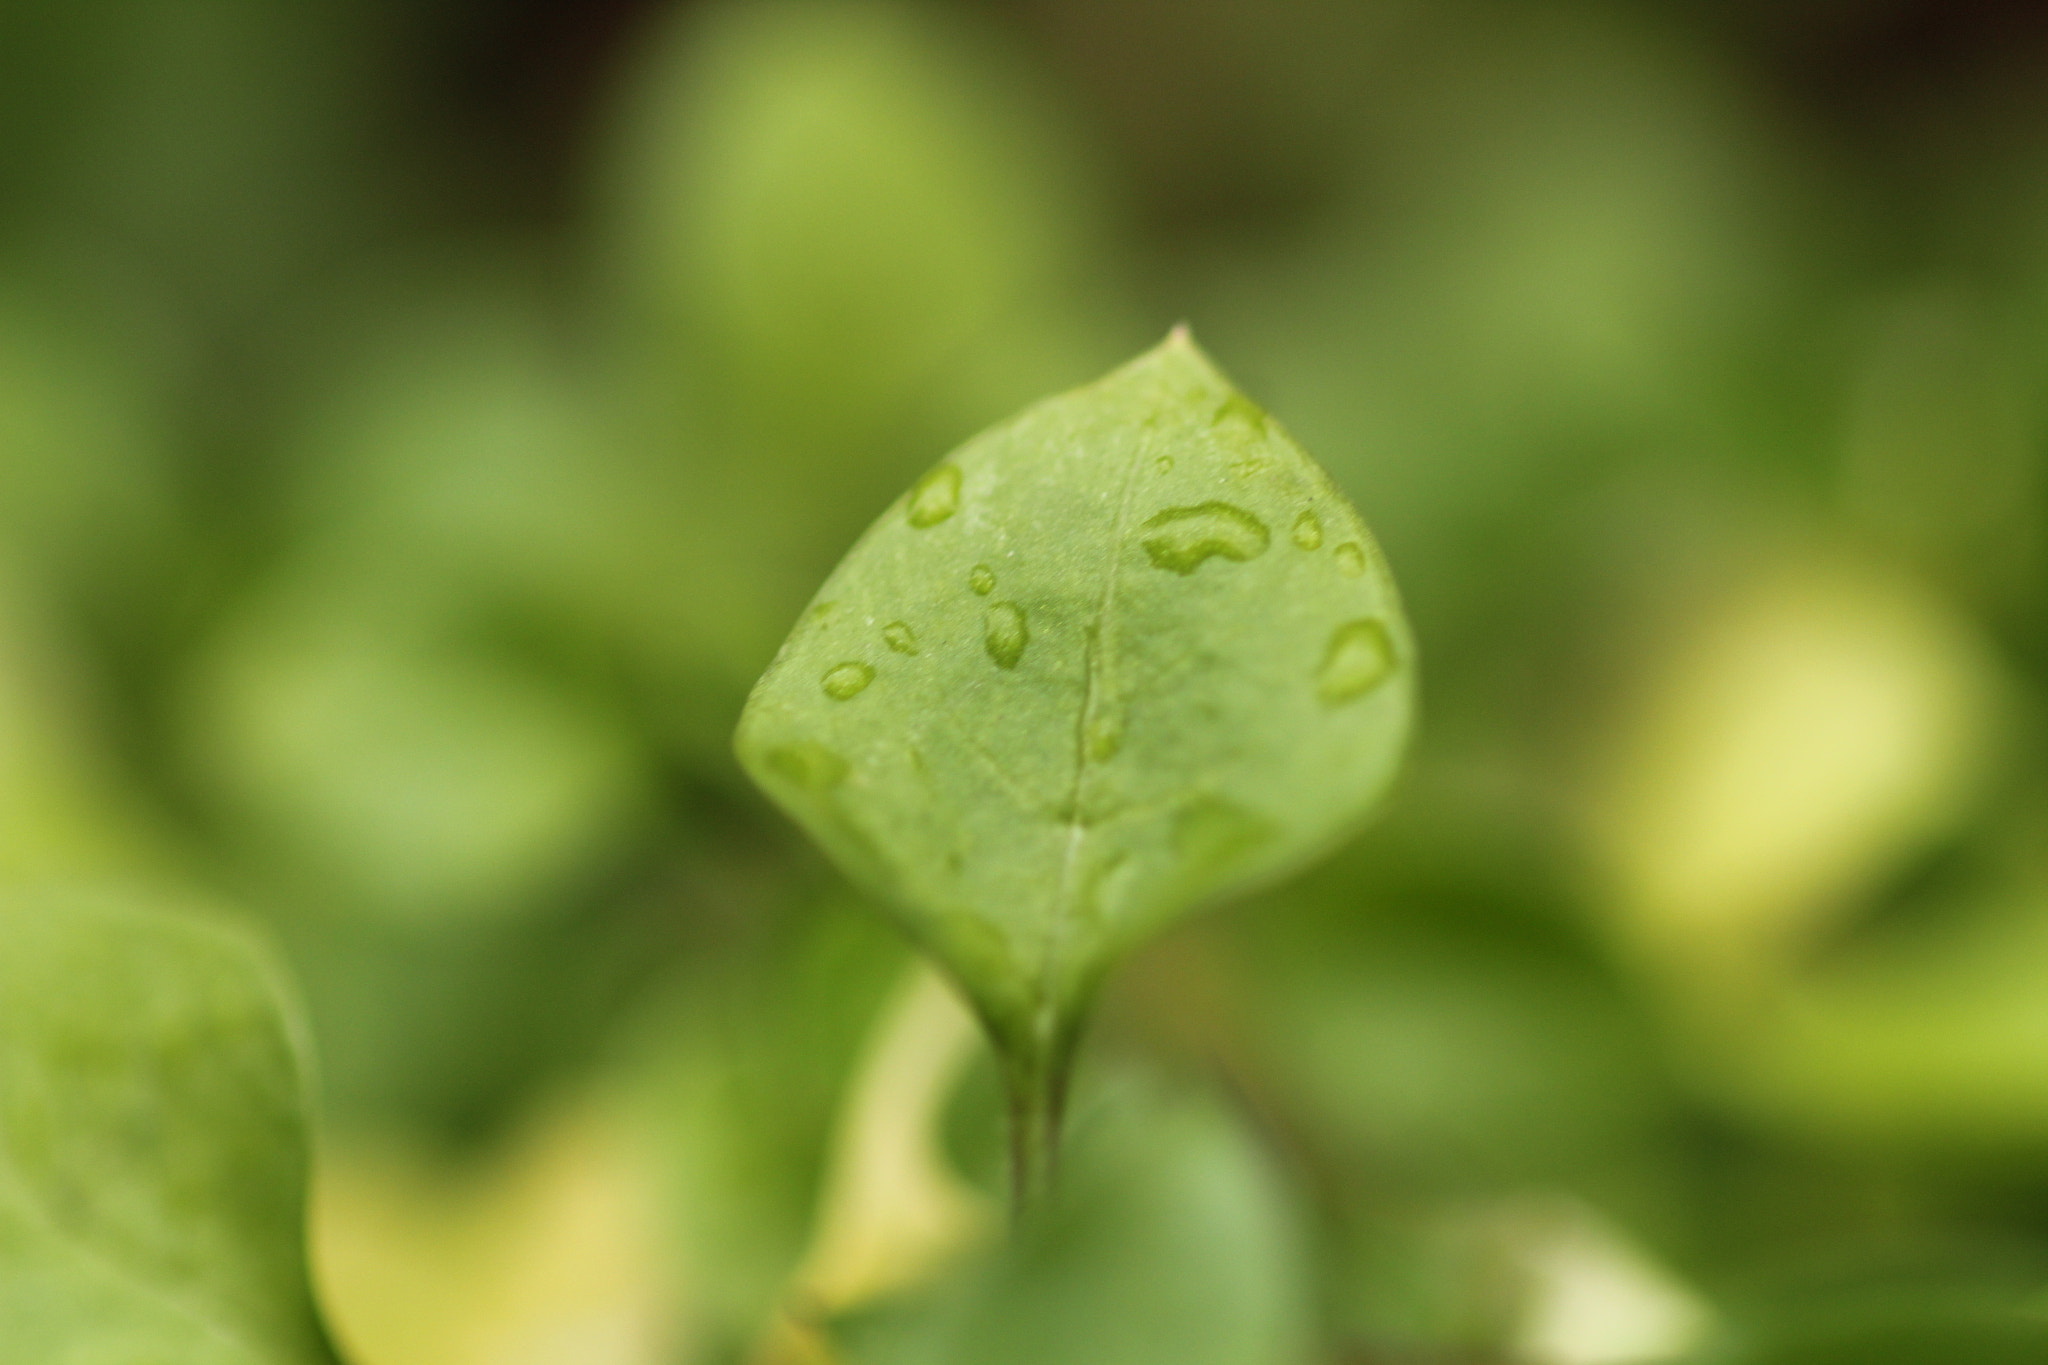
419 424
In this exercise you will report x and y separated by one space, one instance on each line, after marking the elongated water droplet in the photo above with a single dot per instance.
1350 559
936 496
845 681
982 579
900 637
1183 537
1359 658
808 764
1005 633
823 610
1105 737
1308 530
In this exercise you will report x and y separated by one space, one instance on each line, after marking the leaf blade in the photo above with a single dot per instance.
153 1149
1141 685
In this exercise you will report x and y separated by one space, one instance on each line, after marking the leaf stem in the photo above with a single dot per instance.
1037 1086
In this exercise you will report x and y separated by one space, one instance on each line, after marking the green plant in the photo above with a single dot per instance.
1125 654
153 1146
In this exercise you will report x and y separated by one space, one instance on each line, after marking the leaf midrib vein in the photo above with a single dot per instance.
1093 668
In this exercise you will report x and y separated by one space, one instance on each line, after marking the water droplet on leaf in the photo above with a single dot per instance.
982 579
1006 634
1105 738
900 637
1183 537
1164 464
1308 531
845 681
1350 559
1210 832
1243 411
936 496
1359 658
809 765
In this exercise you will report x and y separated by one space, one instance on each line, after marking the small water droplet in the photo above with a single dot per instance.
843 682
900 637
1005 633
1350 559
1105 737
1164 464
1308 530
1241 410
1359 658
936 496
809 765
982 579
1184 537
1210 832
823 610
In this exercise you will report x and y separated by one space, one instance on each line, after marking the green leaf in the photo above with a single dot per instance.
1174 1241
153 1147
1125 654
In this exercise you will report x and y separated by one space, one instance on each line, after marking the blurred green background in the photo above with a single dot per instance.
420 421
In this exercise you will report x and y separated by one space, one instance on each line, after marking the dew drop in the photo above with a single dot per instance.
1183 537
1308 530
1105 738
1005 633
1164 464
982 579
936 496
1350 559
1210 833
823 610
1359 658
843 682
809 765
900 637
1241 410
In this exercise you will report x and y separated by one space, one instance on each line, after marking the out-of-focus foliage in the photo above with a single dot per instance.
154 1147
419 423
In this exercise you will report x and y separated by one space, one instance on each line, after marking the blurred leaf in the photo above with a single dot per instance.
1897 1329
736 1073
834 198
843 235
1064 691
83 487
152 1141
1172 1240
548 1250
63 809
1803 737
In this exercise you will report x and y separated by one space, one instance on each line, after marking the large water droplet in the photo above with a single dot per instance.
1359 658
900 637
982 579
1005 633
1308 530
1183 537
1350 559
809 765
845 681
936 496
